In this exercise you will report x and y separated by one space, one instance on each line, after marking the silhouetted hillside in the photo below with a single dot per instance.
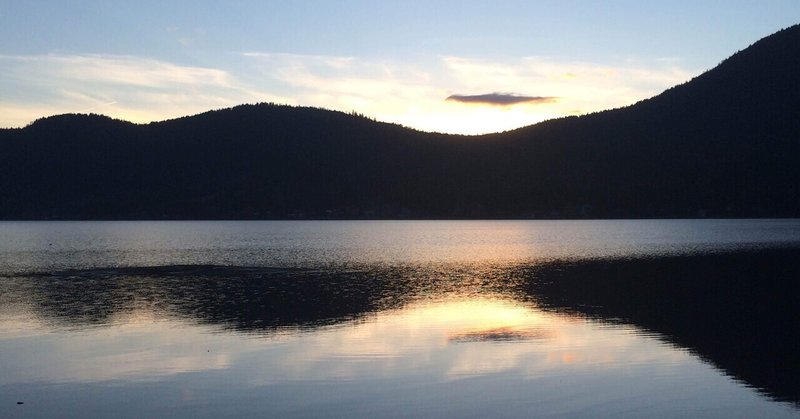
724 144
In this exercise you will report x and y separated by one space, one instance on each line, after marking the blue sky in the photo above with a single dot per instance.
395 61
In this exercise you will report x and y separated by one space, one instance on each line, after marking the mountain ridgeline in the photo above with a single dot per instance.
725 144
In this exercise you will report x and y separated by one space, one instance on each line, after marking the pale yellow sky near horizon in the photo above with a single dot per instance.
143 90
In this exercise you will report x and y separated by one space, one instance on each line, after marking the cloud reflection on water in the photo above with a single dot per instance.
451 337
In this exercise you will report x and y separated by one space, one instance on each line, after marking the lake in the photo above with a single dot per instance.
646 318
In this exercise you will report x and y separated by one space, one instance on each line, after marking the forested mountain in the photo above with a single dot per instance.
726 143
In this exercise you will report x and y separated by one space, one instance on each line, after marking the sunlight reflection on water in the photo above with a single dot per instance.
445 338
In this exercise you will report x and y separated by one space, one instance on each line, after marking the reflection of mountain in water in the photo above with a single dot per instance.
240 299
738 311
244 299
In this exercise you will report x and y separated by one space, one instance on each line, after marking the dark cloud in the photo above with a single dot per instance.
501 99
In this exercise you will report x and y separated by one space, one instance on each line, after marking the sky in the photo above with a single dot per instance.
462 66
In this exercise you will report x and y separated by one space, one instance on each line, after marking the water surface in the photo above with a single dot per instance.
396 319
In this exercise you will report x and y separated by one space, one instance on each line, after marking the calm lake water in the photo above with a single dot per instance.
400 319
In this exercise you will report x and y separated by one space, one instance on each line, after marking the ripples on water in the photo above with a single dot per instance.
48 246
400 318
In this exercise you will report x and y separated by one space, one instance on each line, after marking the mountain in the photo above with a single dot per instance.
725 144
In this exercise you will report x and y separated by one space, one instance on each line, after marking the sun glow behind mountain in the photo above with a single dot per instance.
444 94
502 67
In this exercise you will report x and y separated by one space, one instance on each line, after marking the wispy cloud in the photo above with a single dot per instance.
583 86
501 99
345 80
406 92
128 87
411 93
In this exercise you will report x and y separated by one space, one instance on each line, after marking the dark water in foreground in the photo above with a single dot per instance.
399 319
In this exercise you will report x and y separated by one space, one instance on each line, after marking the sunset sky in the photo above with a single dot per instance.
450 66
